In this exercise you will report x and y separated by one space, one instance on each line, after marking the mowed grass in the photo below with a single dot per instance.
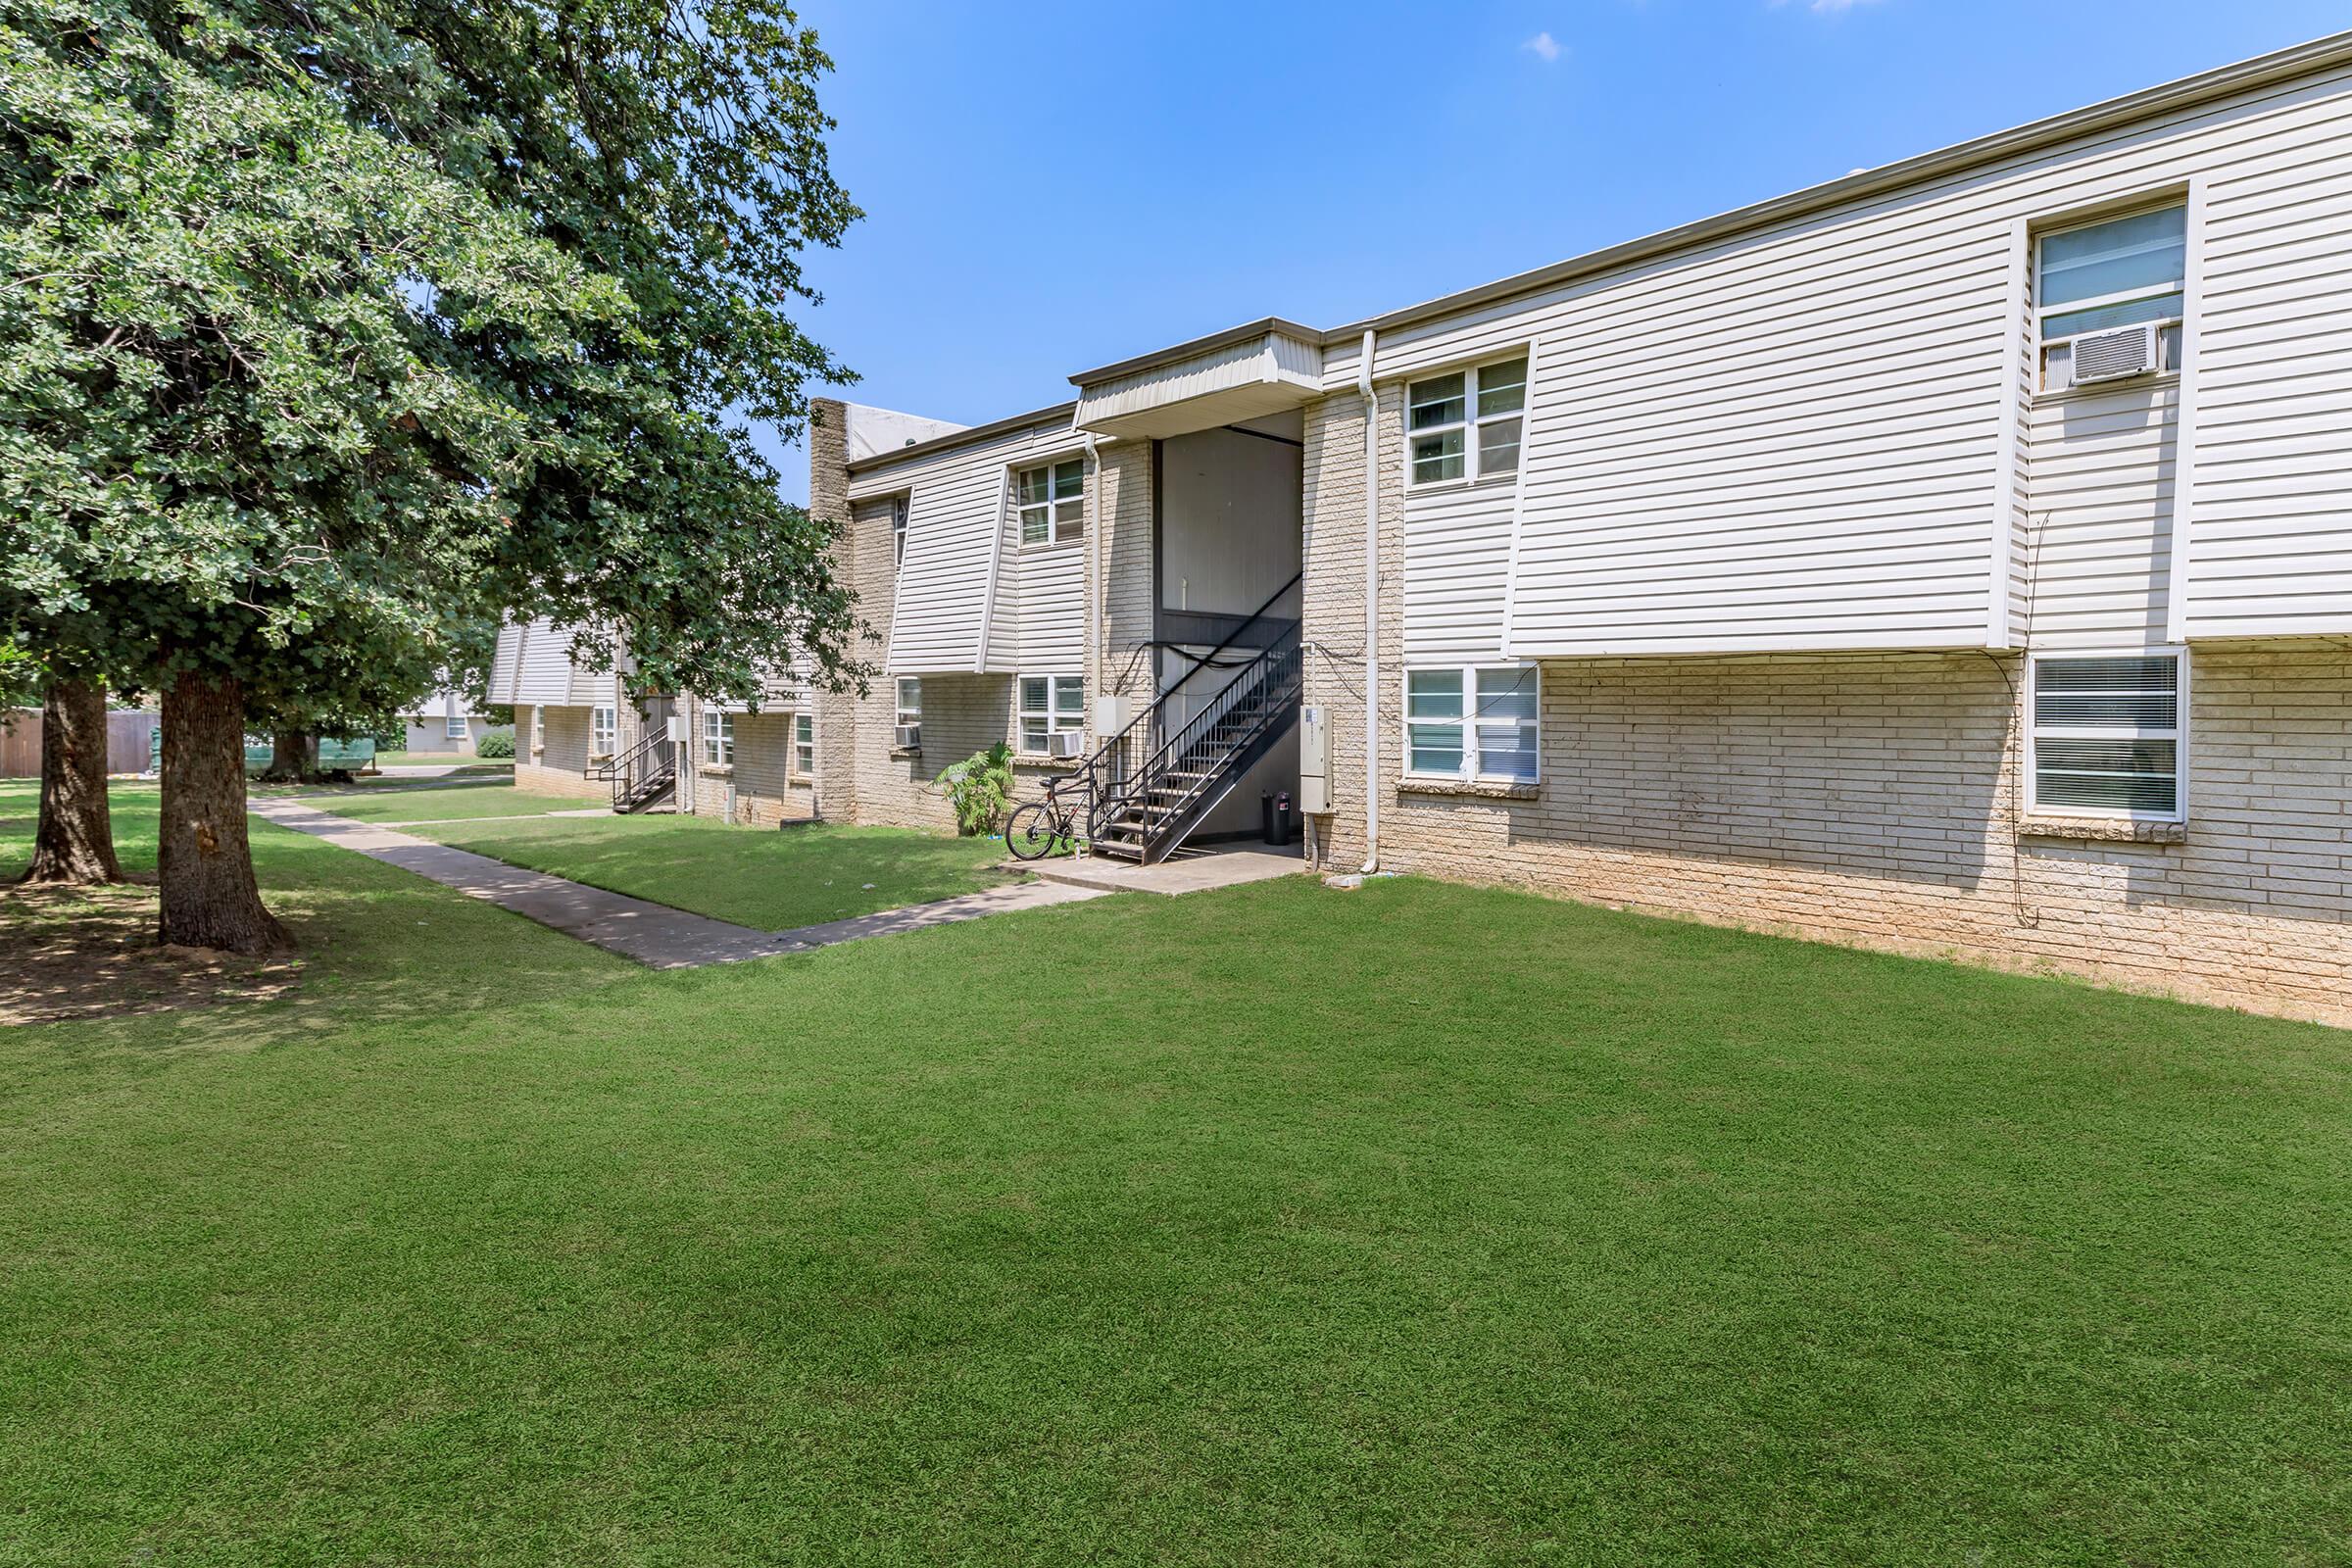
1274 1226
460 759
394 804
769 879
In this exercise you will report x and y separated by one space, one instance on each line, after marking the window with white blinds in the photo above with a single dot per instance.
1478 722
2107 734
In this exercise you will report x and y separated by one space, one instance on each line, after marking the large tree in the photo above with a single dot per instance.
332 329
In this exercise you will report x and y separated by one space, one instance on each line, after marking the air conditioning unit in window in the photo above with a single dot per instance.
910 737
2112 356
1066 743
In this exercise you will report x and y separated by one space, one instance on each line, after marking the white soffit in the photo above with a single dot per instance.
1233 376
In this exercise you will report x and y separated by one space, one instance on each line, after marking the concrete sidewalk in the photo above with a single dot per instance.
1188 871
652 934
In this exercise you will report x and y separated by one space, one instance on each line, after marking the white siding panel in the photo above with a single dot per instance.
546 665
1794 438
2268 549
2099 510
957 519
1457 546
1053 607
505 663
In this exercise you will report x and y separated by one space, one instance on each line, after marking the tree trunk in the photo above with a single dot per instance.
293 757
209 893
75 839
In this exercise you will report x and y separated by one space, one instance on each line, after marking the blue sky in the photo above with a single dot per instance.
1051 188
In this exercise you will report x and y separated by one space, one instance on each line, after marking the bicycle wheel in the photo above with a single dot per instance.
1031 831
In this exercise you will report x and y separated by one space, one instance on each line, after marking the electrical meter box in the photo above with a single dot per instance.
1112 714
1314 761
675 725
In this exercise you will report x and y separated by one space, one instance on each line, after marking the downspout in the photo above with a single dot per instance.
1363 385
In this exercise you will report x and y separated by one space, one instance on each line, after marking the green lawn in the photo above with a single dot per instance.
766 878
428 801
471 763
1272 1226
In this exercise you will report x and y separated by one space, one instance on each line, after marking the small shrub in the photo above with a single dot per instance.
494 746
979 788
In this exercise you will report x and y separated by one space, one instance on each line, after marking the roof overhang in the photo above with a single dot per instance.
1244 373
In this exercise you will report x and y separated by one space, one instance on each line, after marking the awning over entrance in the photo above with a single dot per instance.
1244 374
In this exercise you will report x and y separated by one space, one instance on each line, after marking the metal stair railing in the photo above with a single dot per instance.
1105 774
641 772
1190 770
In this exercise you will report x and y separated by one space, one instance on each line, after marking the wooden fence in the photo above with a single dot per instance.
129 737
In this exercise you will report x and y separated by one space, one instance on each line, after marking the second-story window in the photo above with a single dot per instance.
1466 426
2109 297
898 532
1051 501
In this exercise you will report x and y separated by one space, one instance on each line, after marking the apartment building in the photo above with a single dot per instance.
1956 556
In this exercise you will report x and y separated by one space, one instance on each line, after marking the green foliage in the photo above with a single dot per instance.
329 333
494 747
979 788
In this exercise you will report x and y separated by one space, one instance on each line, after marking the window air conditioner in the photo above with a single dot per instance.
1067 743
2112 356
910 737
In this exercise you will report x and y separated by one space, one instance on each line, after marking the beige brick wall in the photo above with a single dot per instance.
761 788
559 764
1868 799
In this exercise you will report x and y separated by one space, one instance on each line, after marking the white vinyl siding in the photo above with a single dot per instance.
532 664
1790 439
2098 533
2268 549
1457 553
968 594
2107 734
1049 703
1473 723
718 738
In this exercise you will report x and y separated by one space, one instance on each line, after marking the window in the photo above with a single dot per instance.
718 738
453 728
2106 734
803 744
1494 740
1050 703
2121 272
538 729
898 532
910 700
1466 426
602 731
1052 501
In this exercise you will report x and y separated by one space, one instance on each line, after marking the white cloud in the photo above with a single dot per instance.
1545 47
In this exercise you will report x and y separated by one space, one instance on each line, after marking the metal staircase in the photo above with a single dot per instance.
643 774
1149 785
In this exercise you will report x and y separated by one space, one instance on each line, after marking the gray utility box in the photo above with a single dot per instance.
1314 761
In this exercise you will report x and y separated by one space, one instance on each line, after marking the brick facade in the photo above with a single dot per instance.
1868 798
552 759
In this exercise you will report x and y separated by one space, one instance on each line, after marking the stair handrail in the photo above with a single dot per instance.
622 769
1280 661
1092 778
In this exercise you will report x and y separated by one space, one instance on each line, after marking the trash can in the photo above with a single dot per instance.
1266 815
1280 838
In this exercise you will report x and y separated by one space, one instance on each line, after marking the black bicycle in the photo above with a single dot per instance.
1050 826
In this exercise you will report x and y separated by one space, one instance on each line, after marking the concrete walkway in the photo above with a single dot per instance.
1185 872
652 934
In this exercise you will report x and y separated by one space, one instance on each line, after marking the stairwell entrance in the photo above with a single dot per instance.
1223 665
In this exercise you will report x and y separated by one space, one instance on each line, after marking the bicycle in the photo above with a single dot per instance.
1042 827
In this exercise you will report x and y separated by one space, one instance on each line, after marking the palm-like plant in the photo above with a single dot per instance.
979 788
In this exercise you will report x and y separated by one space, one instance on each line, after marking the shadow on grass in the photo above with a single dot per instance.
377 948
